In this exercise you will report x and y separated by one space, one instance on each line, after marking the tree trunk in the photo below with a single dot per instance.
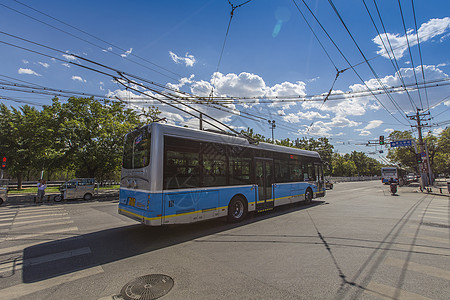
19 181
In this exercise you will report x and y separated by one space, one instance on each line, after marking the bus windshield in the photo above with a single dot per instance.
136 152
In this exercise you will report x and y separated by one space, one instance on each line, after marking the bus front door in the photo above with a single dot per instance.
264 180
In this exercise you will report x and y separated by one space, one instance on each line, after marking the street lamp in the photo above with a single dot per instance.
272 123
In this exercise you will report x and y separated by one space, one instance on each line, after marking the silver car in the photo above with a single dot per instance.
77 188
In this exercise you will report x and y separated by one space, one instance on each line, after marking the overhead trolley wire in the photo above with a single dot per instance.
420 51
409 50
350 65
91 43
395 66
364 57
233 8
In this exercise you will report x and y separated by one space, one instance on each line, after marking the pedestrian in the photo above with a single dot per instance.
42 185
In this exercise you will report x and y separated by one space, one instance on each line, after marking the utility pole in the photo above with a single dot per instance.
272 123
426 174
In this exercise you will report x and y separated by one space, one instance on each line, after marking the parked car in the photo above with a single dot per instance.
3 190
77 188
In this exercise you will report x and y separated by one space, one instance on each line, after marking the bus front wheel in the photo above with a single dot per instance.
237 210
308 196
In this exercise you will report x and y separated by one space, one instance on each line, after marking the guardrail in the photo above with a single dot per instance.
30 184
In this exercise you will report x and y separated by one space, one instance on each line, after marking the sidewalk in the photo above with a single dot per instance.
18 199
439 188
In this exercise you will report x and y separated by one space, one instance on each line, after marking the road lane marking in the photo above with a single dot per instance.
430 228
18 228
18 263
389 292
10 213
42 211
41 220
24 289
27 236
40 216
422 249
22 247
430 238
439 213
420 268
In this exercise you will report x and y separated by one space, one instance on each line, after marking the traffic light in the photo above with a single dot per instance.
419 158
4 162
381 139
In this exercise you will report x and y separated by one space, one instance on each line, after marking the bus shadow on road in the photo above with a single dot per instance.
66 256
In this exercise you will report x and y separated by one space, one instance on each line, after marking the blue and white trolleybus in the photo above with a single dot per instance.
175 175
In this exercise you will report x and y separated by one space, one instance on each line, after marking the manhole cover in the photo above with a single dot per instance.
147 287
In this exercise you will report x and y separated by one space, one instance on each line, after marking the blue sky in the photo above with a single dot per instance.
270 54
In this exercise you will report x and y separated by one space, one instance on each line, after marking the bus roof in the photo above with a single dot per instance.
206 136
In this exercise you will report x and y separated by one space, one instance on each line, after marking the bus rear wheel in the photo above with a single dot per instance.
237 210
87 196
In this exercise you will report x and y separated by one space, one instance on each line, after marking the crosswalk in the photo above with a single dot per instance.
29 236
428 235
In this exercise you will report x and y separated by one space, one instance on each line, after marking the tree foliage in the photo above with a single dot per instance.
82 135
438 151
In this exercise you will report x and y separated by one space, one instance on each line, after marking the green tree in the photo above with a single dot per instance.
20 141
402 156
322 146
442 157
93 132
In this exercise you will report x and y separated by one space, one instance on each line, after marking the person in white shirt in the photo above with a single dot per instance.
42 185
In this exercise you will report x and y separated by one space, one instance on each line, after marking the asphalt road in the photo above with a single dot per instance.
359 242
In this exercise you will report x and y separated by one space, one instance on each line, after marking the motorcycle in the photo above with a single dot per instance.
393 186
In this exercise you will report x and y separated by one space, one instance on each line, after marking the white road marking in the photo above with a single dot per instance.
18 263
41 220
389 292
432 250
49 223
22 247
420 268
28 236
24 289
40 216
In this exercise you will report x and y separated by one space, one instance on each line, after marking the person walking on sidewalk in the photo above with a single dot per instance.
42 185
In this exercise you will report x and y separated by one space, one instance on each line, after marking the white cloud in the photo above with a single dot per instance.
388 130
372 124
127 53
427 31
401 98
25 61
28 71
109 49
66 65
45 65
78 78
188 59
69 57
321 128
301 116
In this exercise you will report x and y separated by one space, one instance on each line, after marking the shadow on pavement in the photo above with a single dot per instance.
115 244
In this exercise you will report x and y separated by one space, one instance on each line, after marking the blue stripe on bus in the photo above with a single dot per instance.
143 205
